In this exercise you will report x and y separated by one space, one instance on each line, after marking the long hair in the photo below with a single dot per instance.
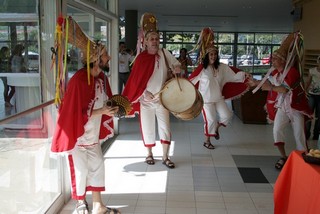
206 61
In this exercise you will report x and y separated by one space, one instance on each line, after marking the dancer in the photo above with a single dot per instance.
286 101
211 76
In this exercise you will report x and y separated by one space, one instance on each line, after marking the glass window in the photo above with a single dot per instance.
101 30
225 37
174 48
19 6
251 51
20 66
226 53
263 38
174 37
264 53
190 37
26 167
247 56
278 38
100 3
245 38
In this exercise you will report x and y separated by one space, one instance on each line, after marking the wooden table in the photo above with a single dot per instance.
297 189
250 107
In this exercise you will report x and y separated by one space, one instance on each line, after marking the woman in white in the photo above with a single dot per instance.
212 78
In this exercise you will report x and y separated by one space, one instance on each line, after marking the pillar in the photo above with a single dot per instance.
131 25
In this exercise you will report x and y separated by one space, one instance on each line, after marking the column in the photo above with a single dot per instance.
131 34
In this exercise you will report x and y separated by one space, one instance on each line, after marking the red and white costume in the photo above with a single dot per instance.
211 84
149 73
79 134
290 107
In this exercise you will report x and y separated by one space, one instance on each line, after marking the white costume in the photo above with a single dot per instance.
151 109
87 153
286 112
211 81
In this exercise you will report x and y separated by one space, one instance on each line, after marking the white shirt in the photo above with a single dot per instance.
314 87
159 75
124 60
211 81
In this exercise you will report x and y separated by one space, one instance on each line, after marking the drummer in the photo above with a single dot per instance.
148 75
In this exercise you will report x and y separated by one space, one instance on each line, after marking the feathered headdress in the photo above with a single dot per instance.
205 42
69 32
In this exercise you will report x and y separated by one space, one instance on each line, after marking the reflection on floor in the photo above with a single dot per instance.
28 177
235 178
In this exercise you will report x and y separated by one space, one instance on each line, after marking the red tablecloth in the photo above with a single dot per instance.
297 189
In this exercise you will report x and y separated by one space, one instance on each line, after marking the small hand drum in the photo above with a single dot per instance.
123 103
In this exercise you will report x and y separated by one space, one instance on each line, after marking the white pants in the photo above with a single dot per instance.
148 115
297 122
215 114
86 170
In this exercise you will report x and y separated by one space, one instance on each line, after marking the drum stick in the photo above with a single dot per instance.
159 92
178 82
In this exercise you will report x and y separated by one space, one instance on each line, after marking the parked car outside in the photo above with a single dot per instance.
266 60
194 58
226 59
32 61
250 60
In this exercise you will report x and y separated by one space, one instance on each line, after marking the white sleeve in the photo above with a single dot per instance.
231 76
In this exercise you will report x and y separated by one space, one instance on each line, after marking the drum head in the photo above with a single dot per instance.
176 100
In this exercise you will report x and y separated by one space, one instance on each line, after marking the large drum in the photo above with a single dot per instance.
181 98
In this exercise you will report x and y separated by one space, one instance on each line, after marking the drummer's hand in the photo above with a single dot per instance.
148 95
109 110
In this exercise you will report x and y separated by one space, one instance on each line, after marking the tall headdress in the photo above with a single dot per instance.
205 42
291 50
284 48
148 24
69 32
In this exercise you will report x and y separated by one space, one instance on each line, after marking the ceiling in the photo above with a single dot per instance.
220 15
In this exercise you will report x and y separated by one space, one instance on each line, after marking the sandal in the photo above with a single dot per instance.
82 207
109 211
112 211
208 145
168 163
149 160
280 163
217 136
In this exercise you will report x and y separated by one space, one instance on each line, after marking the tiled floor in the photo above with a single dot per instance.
203 182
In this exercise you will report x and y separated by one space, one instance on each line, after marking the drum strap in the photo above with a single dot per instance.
169 70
